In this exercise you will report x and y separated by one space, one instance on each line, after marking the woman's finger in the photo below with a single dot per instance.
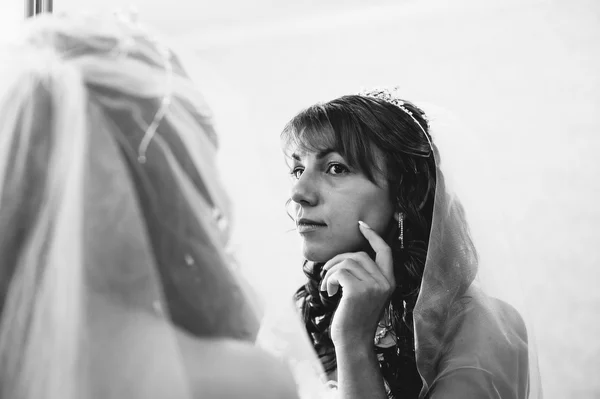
335 260
354 267
362 258
362 266
340 278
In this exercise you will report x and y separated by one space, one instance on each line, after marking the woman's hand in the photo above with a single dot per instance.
367 286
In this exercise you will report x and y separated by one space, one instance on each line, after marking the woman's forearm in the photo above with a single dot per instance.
359 376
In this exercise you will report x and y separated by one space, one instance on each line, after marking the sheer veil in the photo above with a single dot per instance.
113 250
471 318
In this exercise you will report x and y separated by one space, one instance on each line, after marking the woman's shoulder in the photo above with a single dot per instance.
488 352
488 317
228 368
164 361
489 327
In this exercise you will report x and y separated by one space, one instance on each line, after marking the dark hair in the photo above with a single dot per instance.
360 129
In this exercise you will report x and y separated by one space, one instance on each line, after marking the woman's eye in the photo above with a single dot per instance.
296 173
337 169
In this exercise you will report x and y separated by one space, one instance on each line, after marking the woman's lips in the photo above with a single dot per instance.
309 226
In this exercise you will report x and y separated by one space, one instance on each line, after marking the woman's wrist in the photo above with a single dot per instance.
358 372
354 347
354 342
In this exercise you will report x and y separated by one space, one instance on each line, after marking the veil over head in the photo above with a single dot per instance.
113 221
473 333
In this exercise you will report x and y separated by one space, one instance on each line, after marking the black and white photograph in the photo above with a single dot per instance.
299 199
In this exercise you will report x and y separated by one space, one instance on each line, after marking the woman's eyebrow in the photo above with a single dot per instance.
320 155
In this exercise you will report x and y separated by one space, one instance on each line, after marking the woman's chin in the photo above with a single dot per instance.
317 255
321 251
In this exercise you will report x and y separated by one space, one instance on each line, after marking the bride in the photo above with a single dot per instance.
115 282
396 303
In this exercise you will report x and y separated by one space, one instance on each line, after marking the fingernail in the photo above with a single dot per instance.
363 224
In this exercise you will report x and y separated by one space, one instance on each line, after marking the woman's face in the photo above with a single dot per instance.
330 198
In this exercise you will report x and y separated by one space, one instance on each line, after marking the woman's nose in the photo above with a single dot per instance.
304 191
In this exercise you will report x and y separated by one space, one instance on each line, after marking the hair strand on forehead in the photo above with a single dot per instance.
323 127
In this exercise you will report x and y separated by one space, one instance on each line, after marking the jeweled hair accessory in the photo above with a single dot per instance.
130 20
392 96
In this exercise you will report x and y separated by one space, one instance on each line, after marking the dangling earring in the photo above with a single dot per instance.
401 228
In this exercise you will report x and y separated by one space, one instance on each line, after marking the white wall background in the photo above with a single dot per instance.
521 74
